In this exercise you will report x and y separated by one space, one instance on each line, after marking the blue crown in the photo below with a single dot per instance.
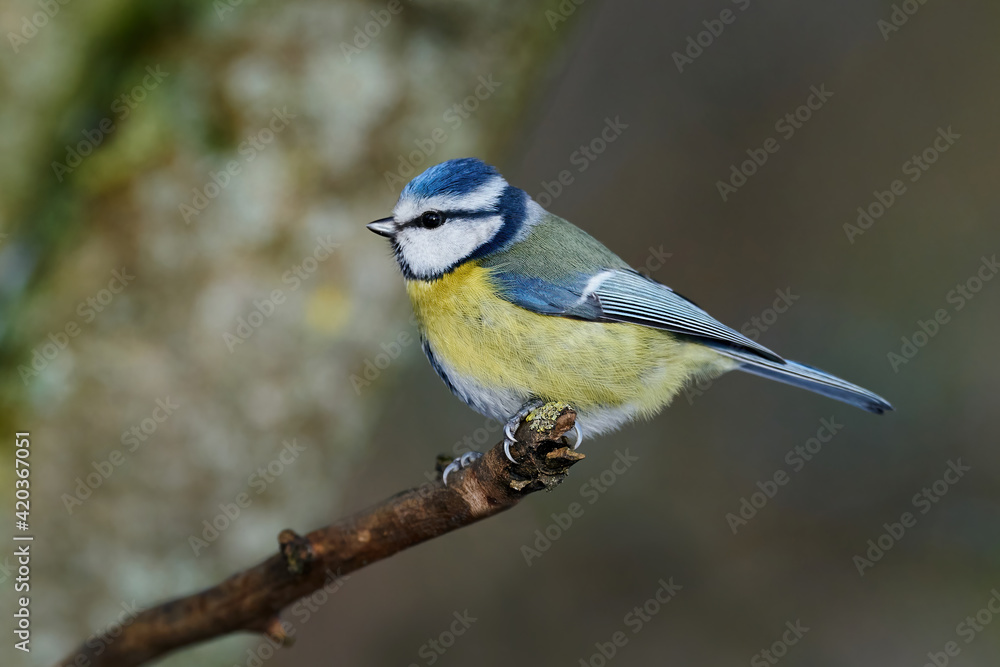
453 177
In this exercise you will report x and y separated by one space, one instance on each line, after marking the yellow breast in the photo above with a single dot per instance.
591 365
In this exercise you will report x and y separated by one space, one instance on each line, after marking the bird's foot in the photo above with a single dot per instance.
511 427
462 462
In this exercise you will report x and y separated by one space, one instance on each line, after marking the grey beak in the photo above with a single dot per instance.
384 227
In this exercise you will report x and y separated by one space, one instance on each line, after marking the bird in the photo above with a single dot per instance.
517 307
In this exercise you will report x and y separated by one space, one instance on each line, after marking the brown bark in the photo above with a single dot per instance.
253 599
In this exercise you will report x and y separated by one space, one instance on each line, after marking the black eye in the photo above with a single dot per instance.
432 219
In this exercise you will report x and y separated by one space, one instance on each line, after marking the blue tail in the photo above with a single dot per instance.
813 379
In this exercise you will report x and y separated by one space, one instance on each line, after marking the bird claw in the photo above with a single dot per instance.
511 427
462 462
579 435
509 440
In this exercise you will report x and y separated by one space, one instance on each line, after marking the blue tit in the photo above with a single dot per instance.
517 306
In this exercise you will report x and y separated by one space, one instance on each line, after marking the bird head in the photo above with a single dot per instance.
454 212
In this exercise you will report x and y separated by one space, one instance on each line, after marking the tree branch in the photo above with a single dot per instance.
252 600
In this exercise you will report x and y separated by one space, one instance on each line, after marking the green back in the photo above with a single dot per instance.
555 250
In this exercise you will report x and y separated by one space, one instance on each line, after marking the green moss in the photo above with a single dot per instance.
544 418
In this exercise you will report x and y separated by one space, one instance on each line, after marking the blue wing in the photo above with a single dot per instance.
622 295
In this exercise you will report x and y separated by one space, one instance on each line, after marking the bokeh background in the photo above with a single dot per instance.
114 116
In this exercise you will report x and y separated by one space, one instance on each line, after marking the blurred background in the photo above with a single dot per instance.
191 309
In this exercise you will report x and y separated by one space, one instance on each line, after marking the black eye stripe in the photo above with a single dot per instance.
453 214
470 214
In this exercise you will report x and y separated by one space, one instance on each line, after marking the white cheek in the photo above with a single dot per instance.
429 252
